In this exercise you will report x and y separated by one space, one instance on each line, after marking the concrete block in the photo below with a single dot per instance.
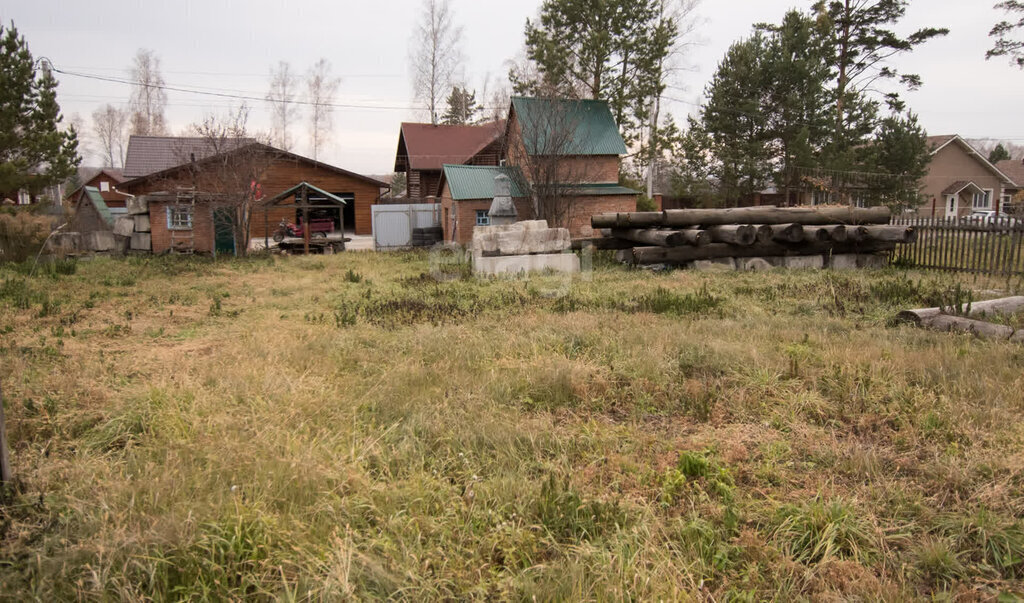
870 260
517 264
66 242
124 226
101 240
797 262
142 223
137 205
142 241
754 264
715 265
843 261
1018 336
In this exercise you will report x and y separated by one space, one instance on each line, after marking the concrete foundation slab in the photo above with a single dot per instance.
755 264
798 262
870 260
124 226
1018 336
142 223
142 241
101 240
515 264
136 205
843 261
715 265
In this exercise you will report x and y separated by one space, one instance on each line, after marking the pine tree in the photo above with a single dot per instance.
998 154
900 149
611 50
462 107
1005 45
34 152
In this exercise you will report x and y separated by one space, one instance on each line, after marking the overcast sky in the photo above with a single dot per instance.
229 46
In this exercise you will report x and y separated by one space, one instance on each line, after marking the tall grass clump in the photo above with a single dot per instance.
821 530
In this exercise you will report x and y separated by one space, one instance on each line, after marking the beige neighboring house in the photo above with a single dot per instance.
1014 168
961 180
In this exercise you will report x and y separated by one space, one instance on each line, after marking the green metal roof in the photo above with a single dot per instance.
477 181
94 196
567 127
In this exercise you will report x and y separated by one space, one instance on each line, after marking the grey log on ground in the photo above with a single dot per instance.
787 233
679 255
1004 306
837 233
816 234
985 330
744 215
896 234
763 233
663 238
736 234
603 243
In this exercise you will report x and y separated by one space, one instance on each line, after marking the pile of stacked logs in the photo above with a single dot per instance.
682 236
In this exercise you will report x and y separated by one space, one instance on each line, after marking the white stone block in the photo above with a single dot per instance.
101 240
142 223
137 205
843 261
142 241
870 260
517 264
124 226
715 265
797 262
754 264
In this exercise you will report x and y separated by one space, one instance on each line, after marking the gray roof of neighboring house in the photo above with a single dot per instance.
567 127
477 181
149 154
1014 168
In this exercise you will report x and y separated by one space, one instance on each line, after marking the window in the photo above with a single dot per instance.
179 218
1003 202
482 219
105 186
982 200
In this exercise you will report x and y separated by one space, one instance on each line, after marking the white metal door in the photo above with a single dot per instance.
951 206
393 224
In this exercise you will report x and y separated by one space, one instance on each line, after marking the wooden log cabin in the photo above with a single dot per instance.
275 171
423 150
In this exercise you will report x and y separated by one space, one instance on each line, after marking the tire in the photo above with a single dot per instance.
278 237
318 235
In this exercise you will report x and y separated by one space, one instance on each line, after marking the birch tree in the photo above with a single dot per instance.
321 87
148 99
284 83
109 125
435 57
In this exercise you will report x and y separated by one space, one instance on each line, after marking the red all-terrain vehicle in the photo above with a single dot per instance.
317 228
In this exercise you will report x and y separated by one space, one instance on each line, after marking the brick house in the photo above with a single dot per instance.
423 150
569 146
205 226
961 180
105 181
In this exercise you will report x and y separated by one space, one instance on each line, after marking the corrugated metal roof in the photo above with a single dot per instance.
429 146
567 127
477 181
149 154
93 195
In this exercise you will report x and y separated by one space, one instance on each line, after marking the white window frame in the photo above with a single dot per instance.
483 218
1004 200
985 197
104 186
179 218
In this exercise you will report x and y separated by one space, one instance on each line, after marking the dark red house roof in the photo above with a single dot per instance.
429 146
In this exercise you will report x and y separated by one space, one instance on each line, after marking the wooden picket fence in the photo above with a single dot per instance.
964 245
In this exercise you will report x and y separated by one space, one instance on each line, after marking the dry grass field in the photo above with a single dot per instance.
347 427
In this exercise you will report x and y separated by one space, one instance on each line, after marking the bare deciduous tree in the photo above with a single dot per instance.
148 98
109 124
283 91
320 90
231 174
435 56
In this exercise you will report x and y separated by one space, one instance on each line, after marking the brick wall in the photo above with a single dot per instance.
585 207
202 227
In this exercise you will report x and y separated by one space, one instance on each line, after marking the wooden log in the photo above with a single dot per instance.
679 255
745 215
787 233
816 234
896 234
603 243
856 233
836 233
663 238
985 330
1002 306
763 233
736 234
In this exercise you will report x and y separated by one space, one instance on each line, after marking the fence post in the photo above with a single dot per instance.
5 459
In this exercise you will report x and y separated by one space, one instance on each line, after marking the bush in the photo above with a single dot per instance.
21 235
